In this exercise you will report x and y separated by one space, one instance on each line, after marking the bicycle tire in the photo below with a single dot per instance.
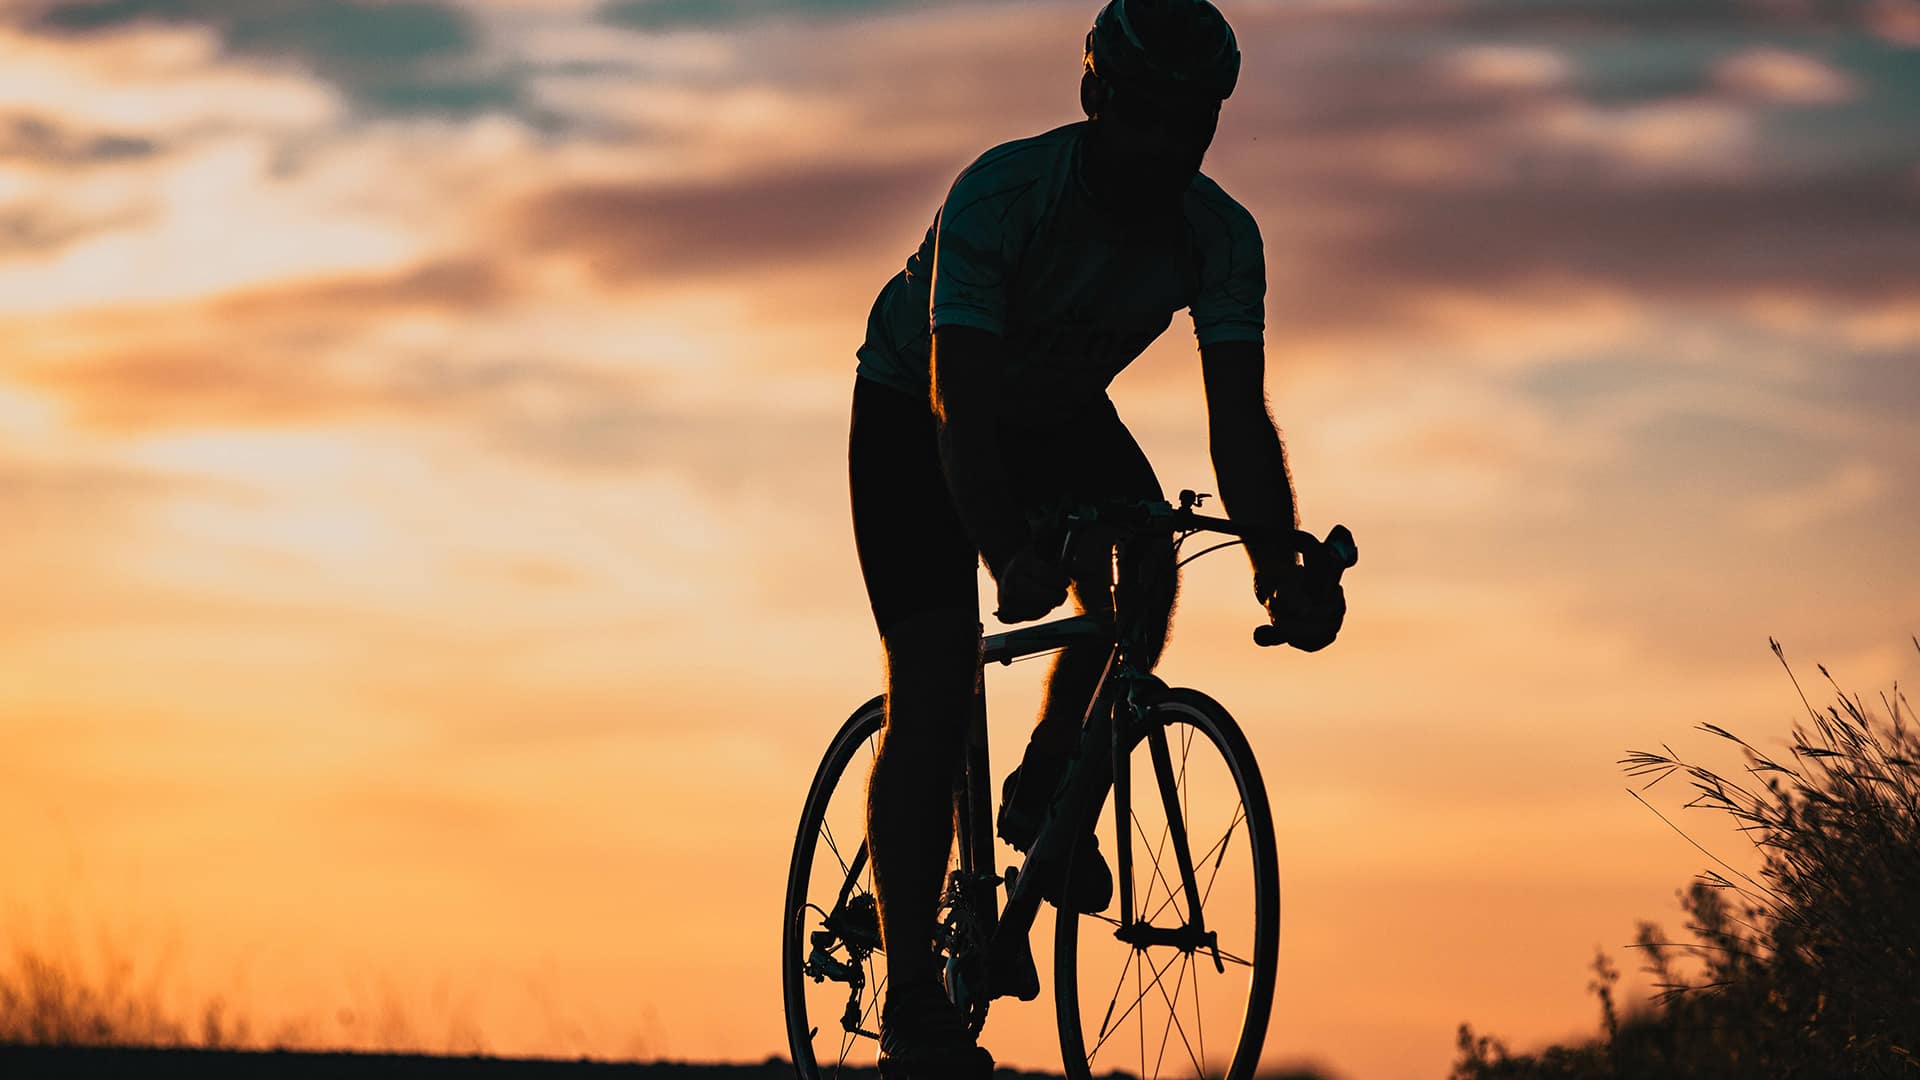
1255 938
859 734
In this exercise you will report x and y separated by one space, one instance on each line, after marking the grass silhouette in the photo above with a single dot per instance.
1809 968
47 1003
51 995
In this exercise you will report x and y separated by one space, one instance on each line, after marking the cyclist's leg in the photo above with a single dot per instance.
929 686
919 569
1093 457
1097 457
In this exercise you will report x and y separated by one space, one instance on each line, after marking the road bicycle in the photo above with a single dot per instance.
1177 976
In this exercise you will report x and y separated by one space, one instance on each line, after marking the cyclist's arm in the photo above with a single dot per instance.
1248 458
967 364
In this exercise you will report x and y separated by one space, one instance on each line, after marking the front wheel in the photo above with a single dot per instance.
1176 988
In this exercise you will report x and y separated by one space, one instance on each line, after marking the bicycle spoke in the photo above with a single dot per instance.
1158 973
1166 833
1218 846
827 831
1111 1001
1107 1030
1143 1028
1229 958
1138 961
1173 1019
1199 1022
1167 1028
1171 893
873 1006
1238 817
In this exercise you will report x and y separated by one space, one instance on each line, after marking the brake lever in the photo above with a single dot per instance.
1324 562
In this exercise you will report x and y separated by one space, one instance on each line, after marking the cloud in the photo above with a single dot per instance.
44 139
68 509
1778 77
142 389
155 83
1415 189
1510 67
1852 487
738 226
326 355
288 354
715 14
1844 240
40 494
404 56
1612 16
1895 21
42 230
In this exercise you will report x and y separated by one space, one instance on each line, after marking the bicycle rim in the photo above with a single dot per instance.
1164 1010
829 843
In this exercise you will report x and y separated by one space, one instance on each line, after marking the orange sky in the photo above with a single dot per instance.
426 584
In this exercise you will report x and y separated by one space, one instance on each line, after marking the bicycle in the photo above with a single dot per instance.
1196 770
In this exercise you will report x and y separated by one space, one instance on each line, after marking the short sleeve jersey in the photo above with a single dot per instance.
1019 249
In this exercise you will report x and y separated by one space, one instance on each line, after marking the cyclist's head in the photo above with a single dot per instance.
1169 49
1156 73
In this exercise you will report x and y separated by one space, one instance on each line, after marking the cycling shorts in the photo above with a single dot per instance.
914 553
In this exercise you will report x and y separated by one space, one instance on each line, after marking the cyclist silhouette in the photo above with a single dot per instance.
980 400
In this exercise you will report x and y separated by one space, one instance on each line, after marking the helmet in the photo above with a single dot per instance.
1180 48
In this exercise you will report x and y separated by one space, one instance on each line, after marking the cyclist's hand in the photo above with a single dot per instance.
1308 617
1030 586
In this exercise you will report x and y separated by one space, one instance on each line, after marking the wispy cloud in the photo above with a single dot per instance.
1781 77
745 224
716 14
1853 487
412 56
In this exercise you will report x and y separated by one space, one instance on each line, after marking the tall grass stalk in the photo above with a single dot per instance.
1809 967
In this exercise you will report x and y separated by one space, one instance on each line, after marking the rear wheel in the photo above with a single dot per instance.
1154 998
832 976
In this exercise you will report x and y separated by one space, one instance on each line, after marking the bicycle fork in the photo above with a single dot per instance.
1141 933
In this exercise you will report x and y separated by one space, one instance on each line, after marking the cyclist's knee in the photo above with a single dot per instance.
1071 682
933 658
1151 579
938 641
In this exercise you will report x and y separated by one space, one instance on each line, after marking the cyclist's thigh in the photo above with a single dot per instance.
914 554
1094 456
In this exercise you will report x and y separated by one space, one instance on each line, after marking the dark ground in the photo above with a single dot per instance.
35 1061
30 1061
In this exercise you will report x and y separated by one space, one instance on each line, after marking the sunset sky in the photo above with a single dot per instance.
426 581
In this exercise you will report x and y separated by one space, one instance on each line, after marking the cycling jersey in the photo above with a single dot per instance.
1020 249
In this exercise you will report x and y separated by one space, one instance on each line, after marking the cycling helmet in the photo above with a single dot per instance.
1174 48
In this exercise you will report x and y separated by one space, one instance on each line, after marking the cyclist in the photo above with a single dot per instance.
980 400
